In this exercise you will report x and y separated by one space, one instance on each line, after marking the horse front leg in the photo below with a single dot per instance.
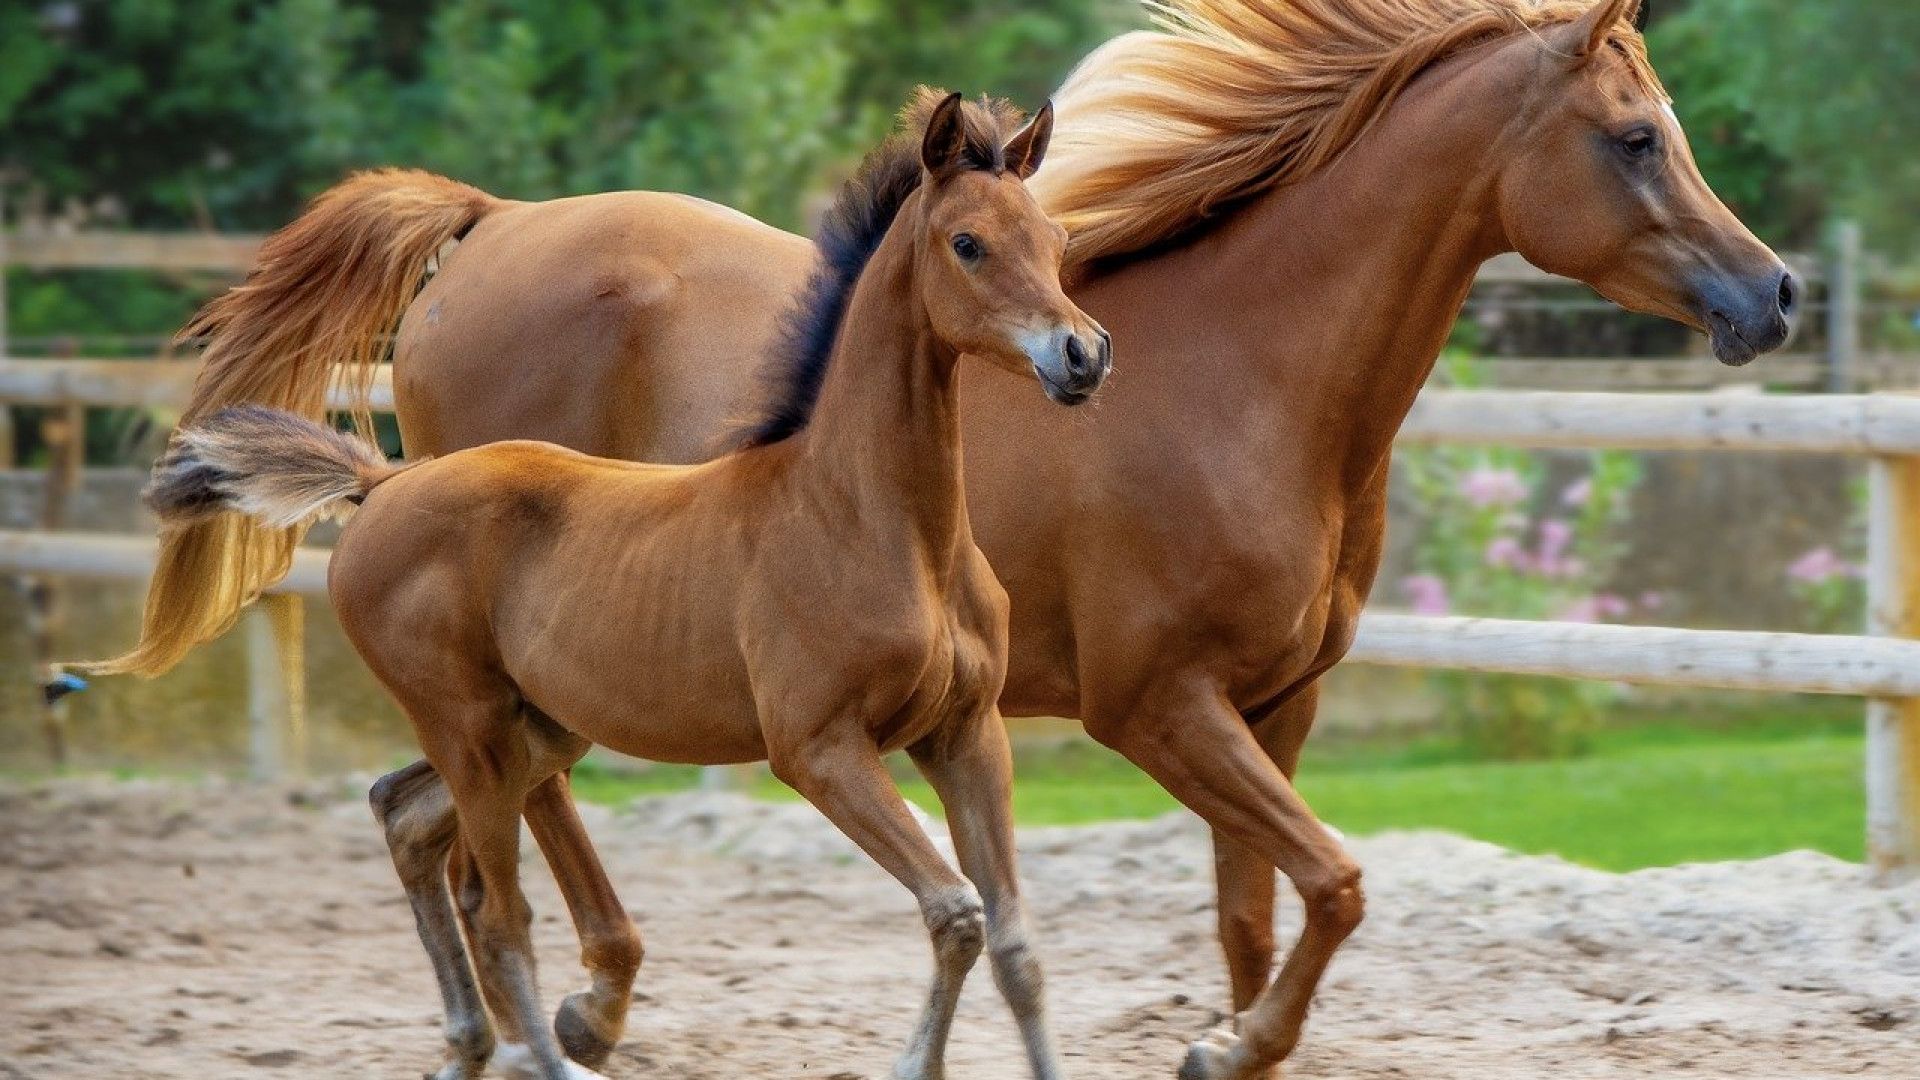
1244 879
842 775
972 771
1202 751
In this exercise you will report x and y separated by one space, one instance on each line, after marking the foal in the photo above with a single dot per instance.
814 598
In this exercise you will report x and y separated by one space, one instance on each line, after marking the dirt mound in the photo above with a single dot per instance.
164 930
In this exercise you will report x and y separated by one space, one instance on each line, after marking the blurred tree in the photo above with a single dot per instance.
225 113
1802 111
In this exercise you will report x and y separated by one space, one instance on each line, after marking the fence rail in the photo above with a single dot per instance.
1886 428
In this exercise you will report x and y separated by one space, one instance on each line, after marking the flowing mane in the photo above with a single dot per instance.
850 233
1161 130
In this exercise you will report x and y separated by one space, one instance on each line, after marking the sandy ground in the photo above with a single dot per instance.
209 932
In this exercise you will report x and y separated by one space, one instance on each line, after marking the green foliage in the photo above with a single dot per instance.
1800 111
226 114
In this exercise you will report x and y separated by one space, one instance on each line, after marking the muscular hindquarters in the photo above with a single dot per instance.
631 325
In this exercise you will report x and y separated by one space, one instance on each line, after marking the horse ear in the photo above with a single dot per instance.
946 137
1640 16
1028 146
1590 30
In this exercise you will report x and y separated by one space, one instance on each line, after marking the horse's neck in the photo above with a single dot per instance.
1346 285
884 439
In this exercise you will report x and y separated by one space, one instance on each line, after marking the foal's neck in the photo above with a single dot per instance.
884 438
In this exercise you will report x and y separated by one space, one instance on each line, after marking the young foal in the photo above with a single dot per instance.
814 599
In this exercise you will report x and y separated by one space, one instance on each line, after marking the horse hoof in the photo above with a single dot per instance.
1210 1056
577 1035
517 1061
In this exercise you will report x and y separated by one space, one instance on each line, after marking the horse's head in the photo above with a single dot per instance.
988 259
1601 186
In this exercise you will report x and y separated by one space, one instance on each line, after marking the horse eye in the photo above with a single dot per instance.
966 247
1638 144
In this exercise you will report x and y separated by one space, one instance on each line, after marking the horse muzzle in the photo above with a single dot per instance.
1748 316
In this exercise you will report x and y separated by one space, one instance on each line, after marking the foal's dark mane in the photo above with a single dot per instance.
850 233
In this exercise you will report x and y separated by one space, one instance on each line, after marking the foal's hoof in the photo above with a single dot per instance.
517 1061
578 1037
1211 1056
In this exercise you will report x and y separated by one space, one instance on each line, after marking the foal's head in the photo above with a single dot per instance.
987 260
1600 185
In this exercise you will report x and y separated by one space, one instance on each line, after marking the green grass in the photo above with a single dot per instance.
1653 792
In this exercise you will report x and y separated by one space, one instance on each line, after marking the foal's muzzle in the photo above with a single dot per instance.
1072 365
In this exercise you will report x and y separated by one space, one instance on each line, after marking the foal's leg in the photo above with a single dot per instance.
972 770
1201 751
485 749
591 1021
843 776
416 812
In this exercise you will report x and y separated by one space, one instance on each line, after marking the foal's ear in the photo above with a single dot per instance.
1640 16
946 139
1590 30
1029 145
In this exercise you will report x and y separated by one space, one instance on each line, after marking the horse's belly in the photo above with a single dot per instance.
687 705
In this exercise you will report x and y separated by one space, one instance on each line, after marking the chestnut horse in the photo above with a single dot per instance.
814 598
1284 201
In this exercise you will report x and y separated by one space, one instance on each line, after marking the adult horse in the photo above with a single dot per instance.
1283 201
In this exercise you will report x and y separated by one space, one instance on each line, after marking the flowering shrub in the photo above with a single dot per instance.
1500 538
1832 587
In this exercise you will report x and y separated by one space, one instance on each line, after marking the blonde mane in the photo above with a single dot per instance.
1159 130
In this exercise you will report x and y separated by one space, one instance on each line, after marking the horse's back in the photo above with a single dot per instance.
656 309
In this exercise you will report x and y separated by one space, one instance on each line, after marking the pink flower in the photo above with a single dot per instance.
1555 535
1594 608
1578 492
1505 551
1568 569
1821 565
1652 601
1428 593
1585 609
1487 486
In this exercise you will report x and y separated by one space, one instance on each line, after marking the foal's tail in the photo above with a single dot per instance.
283 470
323 296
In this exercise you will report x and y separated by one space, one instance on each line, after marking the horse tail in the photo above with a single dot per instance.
326 292
283 470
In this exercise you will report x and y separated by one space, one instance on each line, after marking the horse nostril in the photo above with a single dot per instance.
1076 358
1788 292
1106 347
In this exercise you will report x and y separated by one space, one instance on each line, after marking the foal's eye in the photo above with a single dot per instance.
1639 144
967 247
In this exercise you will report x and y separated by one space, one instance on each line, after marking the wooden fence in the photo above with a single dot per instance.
1885 667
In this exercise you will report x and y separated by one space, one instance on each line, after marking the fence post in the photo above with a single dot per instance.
266 697
64 431
277 686
1843 309
1893 724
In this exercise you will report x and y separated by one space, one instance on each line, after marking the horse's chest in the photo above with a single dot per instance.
963 673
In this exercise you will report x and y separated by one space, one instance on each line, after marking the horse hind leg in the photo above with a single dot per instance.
590 1022
489 768
416 812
